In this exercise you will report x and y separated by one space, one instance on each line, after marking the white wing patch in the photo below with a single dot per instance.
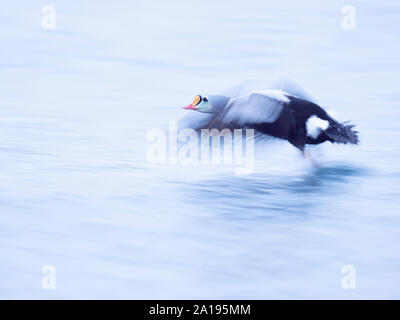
258 107
315 125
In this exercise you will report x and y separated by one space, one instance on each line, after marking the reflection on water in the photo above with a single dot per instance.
76 192
328 175
260 196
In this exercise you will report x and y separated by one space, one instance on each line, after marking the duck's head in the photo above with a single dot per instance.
201 104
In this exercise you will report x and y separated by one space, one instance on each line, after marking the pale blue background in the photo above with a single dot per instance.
76 192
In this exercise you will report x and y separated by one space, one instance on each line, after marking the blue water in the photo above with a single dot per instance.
76 191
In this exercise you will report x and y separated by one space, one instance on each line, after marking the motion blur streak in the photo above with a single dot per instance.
76 191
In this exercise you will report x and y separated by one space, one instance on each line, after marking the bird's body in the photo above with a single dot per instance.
277 114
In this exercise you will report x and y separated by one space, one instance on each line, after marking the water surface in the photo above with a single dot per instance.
76 191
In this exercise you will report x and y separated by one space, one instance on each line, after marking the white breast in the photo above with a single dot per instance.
315 125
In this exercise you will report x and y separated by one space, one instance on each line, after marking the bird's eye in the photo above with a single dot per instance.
205 99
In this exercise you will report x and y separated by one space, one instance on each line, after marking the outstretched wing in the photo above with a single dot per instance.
258 107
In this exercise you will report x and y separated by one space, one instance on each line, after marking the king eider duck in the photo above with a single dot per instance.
275 113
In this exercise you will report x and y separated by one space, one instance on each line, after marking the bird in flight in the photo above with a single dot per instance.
275 113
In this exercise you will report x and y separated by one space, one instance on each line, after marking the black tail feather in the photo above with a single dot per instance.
342 133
